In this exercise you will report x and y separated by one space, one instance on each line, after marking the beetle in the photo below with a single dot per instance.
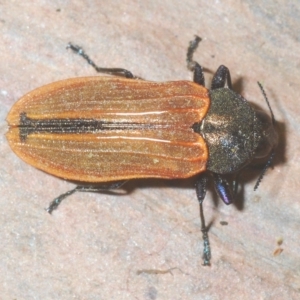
111 129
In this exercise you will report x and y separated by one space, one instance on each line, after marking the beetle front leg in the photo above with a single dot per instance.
221 78
193 65
82 188
201 192
111 71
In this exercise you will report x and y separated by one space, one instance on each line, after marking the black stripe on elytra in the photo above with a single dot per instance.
28 126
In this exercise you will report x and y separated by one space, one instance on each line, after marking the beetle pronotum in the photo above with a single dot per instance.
112 129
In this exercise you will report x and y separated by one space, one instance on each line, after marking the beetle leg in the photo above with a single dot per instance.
201 192
82 188
223 188
221 78
193 65
201 188
111 71
198 74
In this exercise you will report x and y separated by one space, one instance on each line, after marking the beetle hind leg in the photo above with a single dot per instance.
84 188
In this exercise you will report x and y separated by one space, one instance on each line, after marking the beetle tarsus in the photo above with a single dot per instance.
201 192
56 202
206 249
84 188
191 50
193 65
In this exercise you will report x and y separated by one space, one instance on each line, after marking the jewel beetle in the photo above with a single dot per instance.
109 129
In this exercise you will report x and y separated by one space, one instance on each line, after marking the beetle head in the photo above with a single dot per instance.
267 137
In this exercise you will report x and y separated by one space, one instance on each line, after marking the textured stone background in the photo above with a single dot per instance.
107 247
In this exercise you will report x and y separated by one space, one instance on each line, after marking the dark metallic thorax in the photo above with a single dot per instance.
231 131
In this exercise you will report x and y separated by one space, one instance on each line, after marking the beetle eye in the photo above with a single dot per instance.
268 138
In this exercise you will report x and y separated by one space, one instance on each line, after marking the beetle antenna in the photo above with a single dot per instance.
266 99
266 167
271 157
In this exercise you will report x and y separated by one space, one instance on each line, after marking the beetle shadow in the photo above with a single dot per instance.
152 183
237 86
180 184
